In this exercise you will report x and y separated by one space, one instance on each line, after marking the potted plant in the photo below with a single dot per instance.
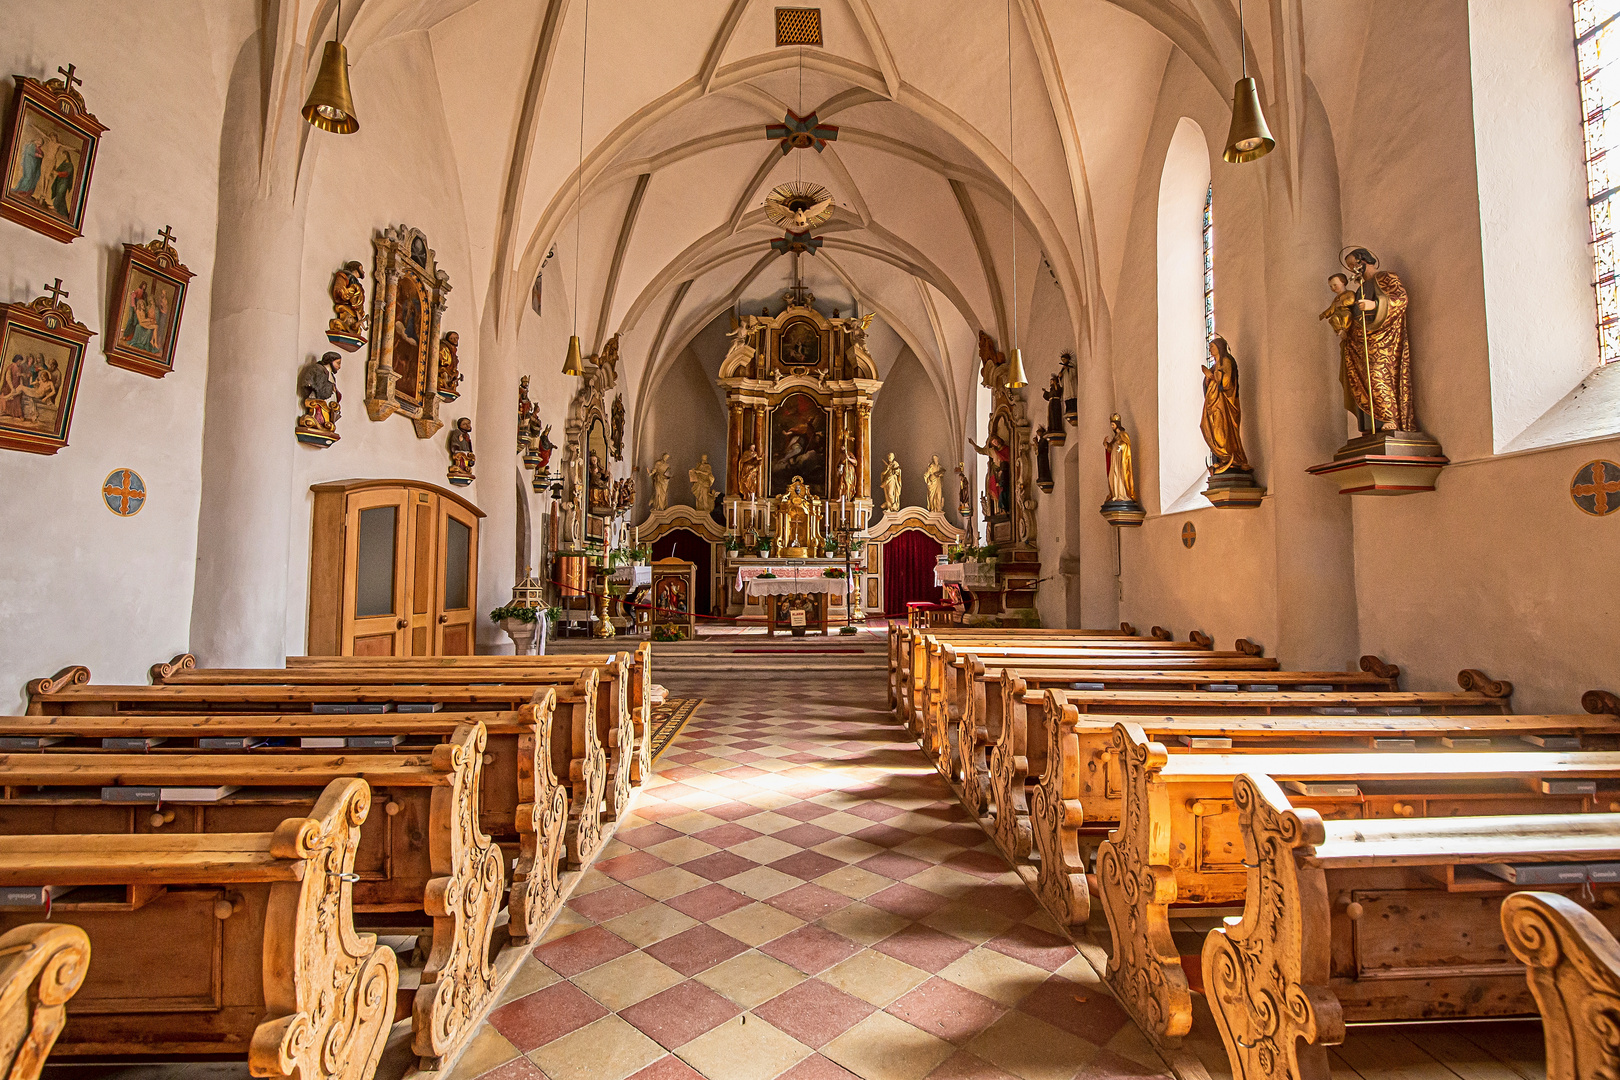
954 553
520 624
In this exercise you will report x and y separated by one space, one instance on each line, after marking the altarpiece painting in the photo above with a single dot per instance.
799 444
409 294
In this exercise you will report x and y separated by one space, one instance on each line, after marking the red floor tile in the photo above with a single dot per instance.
674 1017
1034 946
630 866
806 835
814 1013
609 903
947 1011
582 950
816 1067
923 947
893 865
811 949
728 835
720 865
1080 1010
907 900
695 950
520 1068
536 1019
875 811
805 811
978 863
884 836
669 1067
732 811
647 835
964 1066
808 865
808 901
709 902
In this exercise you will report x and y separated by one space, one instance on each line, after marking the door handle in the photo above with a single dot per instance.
444 618
402 624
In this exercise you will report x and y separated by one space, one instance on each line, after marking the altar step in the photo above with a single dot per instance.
771 658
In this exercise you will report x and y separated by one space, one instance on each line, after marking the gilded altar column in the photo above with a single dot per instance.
863 440
764 454
734 438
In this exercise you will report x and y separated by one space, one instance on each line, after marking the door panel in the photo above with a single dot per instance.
424 541
374 590
457 580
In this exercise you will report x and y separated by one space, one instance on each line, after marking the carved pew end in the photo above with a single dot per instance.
1161 634
1127 629
1372 665
41 967
1477 681
1573 966
72 675
1201 639
160 673
1249 648
1601 703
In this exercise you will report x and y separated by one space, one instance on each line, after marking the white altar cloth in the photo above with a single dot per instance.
745 574
787 586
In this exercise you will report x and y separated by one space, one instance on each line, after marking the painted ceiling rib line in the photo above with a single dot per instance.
873 33
942 348
987 262
631 211
717 46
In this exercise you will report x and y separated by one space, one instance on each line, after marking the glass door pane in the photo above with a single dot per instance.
374 562
457 555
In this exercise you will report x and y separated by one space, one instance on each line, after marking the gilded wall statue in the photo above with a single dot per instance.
658 473
449 366
964 491
322 401
459 443
934 477
702 480
1117 458
849 472
748 470
1222 422
1374 341
347 329
891 483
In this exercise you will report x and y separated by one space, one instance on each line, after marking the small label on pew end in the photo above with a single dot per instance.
31 896
330 708
146 793
1394 744
1538 873
137 743
231 742
418 706
1323 789
28 742
1603 873
1569 787
1206 742
1554 742
1401 710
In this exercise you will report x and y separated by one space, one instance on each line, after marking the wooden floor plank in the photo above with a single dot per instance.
1385 1053
1462 1055
1518 1044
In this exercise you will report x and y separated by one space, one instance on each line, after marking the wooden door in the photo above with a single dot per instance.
375 592
420 569
457 584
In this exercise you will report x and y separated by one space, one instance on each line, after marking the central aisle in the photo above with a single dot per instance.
799 895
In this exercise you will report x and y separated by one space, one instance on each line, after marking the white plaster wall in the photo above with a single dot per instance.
1183 187
910 421
1534 228
82 585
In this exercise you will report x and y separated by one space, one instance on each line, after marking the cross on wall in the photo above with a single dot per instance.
123 491
57 293
167 236
1599 489
68 78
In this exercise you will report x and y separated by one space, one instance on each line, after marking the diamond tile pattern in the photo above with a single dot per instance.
797 895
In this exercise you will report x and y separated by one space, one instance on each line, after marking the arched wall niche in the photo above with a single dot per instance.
1183 188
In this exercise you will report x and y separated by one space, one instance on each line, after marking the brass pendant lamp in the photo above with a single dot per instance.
1249 138
574 363
330 107
1015 362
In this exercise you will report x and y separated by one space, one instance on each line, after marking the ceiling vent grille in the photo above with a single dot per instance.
798 26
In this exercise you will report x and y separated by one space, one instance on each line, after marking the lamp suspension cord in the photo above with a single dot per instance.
1243 41
579 175
1012 199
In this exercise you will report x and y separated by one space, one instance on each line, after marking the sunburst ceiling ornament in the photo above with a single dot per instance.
802 132
799 206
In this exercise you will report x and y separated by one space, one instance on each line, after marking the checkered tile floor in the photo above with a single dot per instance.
798 895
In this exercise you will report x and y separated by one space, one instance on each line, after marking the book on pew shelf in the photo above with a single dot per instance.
1314 688
1334 710
375 742
1206 742
28 742
1538 873
1085 686
1466 742
231 742
144 793
1226 686
1603 873
329 708
1394 744
1569 787
137 742
436 706
1554 742
1321 789
28 896
1262 688
322 742
1401 710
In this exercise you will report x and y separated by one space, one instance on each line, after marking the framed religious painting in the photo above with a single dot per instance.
50 152
799 444
145 318
599 482
408 298
41 354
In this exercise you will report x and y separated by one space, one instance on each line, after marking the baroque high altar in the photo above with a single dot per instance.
799 389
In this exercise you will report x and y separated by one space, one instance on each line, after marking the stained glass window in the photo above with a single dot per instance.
1209 262
1597 46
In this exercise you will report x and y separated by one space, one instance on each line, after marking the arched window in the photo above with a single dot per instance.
1597 38
1186 315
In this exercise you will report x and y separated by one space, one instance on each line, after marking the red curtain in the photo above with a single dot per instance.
908 570
688 545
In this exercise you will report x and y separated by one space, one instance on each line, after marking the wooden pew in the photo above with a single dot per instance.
971 713
1353 921
428 857
629 753
1079 796
237 944
42 965
1572 963
1180 836
521 802
638 691
585 768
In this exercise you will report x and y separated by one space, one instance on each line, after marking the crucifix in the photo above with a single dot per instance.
57 292
68 78
167 236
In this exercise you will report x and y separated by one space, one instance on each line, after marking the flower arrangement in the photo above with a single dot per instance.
518 612
832 572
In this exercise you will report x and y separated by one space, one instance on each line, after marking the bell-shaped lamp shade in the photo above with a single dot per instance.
330 107
1015 371
575 364
1249 137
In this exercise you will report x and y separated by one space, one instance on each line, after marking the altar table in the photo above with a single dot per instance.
821 590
